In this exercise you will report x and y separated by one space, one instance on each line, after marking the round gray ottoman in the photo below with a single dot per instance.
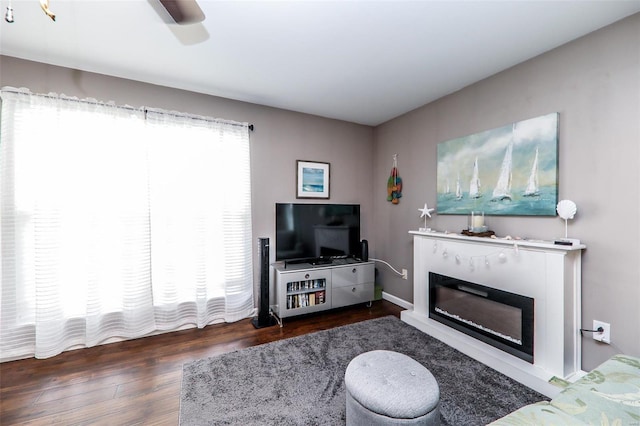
389 388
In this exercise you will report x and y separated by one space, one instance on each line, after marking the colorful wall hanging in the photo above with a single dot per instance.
394 183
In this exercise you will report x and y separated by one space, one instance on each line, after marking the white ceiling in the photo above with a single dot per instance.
359 61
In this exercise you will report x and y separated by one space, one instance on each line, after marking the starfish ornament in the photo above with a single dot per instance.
425 211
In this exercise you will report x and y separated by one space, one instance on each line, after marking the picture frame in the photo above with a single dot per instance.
312 179
507 171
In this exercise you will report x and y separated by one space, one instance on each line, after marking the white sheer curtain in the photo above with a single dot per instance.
201 219
113 226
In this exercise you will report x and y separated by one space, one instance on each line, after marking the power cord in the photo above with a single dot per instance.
601 330
387 263
597 330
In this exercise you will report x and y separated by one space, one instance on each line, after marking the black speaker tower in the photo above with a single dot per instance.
264 318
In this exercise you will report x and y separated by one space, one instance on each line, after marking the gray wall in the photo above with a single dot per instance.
594 83
280 137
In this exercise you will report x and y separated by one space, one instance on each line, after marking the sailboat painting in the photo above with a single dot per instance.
533 189
508 171
474 185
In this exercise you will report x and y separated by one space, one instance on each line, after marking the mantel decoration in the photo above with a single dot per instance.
312 179
476 222
477 227
394 183
508 171
566 210
426 212
471 260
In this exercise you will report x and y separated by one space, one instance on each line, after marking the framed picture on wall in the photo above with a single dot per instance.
508 171
312 179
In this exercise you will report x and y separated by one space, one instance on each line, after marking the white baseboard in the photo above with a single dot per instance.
397 301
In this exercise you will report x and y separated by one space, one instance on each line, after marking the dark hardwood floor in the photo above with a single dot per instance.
138 381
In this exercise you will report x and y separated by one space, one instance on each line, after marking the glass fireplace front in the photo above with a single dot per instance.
499 318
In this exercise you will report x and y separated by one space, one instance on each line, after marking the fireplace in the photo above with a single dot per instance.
502 319
545 341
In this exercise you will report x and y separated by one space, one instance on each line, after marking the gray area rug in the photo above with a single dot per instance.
300 381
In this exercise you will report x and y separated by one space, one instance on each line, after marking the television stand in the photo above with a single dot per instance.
304 288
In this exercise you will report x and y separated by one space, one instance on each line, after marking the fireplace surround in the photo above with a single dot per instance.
548 274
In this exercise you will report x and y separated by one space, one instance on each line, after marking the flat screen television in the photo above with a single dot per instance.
308 232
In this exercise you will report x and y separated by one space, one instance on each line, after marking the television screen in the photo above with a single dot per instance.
313 231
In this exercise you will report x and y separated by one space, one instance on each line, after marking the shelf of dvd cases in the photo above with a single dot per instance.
301 292
305 293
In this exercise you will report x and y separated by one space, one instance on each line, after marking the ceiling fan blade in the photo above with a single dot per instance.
183 11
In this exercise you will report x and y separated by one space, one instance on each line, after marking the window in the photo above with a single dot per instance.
118 222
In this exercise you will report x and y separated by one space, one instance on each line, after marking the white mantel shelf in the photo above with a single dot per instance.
547 245
547 272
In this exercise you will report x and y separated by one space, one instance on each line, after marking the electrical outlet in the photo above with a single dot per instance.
605 336
404 274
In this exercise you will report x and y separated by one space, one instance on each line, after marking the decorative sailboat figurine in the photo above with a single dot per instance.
502 191
532 189
474 186
458 189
